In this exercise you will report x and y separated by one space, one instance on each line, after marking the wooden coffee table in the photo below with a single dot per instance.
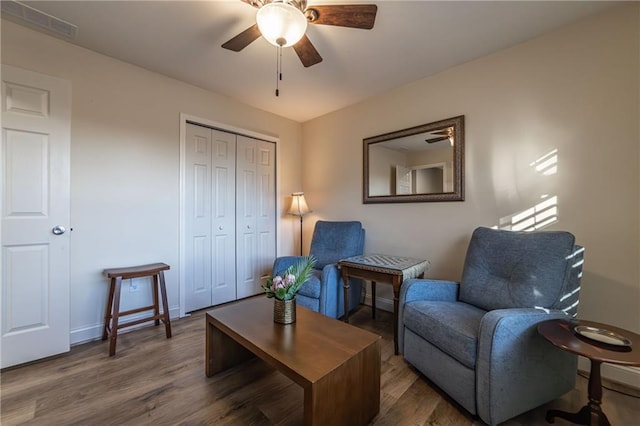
563 335
337 365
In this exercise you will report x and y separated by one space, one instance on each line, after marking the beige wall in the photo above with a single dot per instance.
125 161
576 91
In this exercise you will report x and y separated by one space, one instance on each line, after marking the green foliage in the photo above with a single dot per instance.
286 287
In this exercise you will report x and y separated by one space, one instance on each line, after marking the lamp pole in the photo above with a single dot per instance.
300 235
298 208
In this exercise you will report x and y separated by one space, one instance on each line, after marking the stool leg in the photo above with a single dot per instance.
156 305
107 314
115 317
165 305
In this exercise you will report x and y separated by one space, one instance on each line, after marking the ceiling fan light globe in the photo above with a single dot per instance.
281 24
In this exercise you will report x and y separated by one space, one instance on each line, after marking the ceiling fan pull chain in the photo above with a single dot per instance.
278 76
280 62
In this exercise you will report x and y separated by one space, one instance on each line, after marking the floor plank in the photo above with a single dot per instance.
159 381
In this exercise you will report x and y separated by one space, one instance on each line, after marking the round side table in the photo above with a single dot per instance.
562 334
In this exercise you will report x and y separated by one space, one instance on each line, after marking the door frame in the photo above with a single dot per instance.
188 118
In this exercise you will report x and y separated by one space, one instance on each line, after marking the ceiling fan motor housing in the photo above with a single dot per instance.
296 14
281 23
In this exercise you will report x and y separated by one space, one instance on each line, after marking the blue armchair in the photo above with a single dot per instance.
477 340
324 292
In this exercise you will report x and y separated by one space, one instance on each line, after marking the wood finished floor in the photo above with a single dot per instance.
157 381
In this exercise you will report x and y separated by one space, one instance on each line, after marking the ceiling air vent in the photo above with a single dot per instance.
26 14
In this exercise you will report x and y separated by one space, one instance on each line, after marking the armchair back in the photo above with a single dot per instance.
333 241
507 269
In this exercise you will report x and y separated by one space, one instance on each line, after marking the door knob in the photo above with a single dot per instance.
58 230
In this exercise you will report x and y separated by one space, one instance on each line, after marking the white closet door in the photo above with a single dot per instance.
35 208
248 280
224 217
230 241
266 187
198 222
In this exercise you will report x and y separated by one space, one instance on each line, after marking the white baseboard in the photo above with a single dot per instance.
628 376
94 332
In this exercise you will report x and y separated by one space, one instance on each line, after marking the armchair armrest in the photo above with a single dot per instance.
282 263
330 291
423 289
512 359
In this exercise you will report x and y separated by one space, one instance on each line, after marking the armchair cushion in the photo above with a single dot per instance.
507 269
451 326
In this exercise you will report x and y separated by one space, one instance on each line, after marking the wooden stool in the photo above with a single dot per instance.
113 314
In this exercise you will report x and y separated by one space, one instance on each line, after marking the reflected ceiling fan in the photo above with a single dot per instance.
283 23
440 135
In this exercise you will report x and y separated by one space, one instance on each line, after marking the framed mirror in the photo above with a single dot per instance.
419 164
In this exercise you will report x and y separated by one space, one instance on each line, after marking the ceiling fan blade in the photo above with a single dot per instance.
243 39
444 138
344 15
307 52
253 3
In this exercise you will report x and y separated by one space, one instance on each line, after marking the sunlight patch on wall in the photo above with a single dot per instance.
547 164
534 218
545 212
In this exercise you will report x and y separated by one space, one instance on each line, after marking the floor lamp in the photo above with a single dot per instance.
299 208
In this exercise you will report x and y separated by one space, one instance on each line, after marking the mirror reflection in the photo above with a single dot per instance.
423 163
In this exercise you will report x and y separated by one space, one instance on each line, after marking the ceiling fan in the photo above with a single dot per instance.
283 23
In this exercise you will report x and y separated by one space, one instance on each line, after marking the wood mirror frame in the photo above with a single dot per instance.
387 182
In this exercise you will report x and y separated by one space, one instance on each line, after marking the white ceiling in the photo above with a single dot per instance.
410 40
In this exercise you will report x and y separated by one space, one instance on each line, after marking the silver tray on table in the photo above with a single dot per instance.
602 335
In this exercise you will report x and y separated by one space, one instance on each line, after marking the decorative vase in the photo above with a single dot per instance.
284 311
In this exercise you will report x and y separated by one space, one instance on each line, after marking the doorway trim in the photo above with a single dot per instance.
184 120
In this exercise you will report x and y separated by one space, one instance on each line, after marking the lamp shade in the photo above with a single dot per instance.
299 206
281 24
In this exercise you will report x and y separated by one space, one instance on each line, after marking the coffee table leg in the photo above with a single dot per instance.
348 395
221 351
590 414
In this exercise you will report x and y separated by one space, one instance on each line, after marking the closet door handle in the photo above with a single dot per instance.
58 230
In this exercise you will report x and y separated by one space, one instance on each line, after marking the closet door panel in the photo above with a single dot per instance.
198 218
266 220
223 217
248 282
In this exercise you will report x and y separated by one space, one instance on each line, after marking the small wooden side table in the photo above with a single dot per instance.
562 334
385 268
113 314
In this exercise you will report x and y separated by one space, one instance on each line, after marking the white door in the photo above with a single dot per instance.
224 217
34 203
266 209
198 218
403 180
210 274
248 281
